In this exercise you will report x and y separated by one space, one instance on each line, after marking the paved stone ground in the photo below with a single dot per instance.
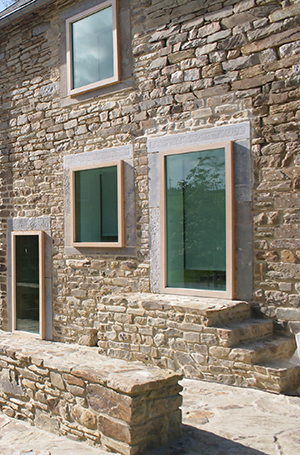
218 420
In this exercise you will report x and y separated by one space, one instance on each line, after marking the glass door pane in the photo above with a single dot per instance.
196 220
27 286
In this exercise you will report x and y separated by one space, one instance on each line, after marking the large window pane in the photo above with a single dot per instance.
196 220
92 48
96 205
27 283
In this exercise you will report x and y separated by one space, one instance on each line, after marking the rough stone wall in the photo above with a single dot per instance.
195 64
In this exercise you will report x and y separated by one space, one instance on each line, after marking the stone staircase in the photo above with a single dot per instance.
205 338
259 352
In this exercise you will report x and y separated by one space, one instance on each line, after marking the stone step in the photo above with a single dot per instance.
233 311
234 333
269 349
212 311
278 376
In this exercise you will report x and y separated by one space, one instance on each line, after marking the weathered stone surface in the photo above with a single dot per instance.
44 422
147 408
107 401
181 55
10 383
85 417
57 380
274 40
237 19
289 11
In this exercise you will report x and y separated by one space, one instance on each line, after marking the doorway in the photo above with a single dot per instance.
28 282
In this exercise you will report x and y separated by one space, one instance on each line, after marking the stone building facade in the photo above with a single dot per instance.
192 73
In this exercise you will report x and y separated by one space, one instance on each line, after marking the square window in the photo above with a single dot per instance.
98 206
197 221
92 48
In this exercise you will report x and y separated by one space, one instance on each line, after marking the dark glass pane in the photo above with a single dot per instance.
196 221
92 48
27 283
96 205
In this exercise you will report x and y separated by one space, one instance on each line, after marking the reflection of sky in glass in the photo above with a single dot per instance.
180 166
2 6
92 41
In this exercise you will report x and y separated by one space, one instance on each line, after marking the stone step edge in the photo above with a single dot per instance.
263 346
209 308
237 332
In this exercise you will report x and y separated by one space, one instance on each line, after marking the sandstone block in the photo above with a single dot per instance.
294 300
237 19
177 57
208 29
85 417
215 69
284 13
244 5
274 40
219 14
218 36
56 380
163 34
109 402
205 49
233 42
288 256
253 82
290 314
240 62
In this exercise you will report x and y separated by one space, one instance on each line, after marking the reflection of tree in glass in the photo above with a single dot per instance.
201 231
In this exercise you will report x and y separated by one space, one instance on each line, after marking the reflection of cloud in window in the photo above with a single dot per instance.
93 48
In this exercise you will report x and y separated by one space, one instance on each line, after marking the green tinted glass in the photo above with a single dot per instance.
96 205
27 283
92 48
196 222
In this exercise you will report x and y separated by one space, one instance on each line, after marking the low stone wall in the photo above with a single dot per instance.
72 390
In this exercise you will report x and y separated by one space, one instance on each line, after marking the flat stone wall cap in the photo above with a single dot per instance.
141 380
128 379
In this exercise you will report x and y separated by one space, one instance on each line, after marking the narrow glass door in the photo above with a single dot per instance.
28 283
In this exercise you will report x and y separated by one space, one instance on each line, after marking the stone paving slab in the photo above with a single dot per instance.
19 438
217 420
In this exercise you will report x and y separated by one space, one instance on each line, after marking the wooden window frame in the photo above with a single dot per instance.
116 57
229 293
120 192
42 313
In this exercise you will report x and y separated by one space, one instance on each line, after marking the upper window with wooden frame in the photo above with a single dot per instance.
97 203
92 48
197 220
